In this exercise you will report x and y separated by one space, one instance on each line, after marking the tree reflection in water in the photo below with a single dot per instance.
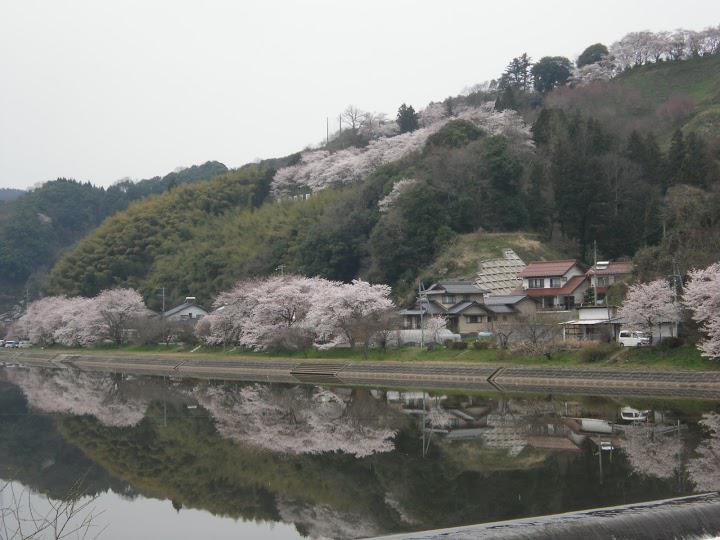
344 463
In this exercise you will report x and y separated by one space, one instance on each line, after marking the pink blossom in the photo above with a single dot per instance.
649 304
702 297
294 421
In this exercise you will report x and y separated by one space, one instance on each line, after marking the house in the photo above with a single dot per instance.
557 285
593 323
467 308
602 323
187 311
604 274
500 276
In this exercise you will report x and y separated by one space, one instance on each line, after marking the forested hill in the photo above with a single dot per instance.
9 194
39 224
610 152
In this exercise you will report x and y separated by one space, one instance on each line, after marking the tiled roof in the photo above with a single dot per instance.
500 276
455 287
617 267
501 308
462 306
569 288
505 299
548 268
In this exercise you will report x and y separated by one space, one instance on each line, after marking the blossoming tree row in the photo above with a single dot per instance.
294 312
81 321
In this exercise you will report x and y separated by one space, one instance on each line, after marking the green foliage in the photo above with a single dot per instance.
592 55
517 74
455 134
550 72
124 248
597 353
37 226
407 118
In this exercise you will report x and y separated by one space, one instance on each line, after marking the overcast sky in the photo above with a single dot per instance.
102 89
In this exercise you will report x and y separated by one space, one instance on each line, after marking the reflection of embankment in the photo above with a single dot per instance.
78 392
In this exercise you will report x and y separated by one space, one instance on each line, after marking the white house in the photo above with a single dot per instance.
187 311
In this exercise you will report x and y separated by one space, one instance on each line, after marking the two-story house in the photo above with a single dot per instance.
557 285
606 273
467 307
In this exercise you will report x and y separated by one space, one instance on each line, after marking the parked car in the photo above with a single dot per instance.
2 342
24 344
633 415
633 338
11 344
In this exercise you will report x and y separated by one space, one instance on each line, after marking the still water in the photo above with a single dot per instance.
154 457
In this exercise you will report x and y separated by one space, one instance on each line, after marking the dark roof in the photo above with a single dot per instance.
570 287
617 267
462 306
455 287
501 308
179 308
548 268
505 299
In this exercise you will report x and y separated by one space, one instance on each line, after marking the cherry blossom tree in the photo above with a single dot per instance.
349 313
648 305
702 297
387 202
280 302
41 320
320 169
118 308
704 469
433 326
81 321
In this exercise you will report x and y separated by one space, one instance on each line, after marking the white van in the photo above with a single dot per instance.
633 338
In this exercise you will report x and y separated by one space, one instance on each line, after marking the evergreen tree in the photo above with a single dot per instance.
675 160
539 211
407 118
697 162
518 73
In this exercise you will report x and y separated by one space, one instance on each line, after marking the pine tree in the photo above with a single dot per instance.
675 160
695 166
407 118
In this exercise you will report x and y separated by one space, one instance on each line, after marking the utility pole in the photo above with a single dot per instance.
595 272
423 300
327 130
340 122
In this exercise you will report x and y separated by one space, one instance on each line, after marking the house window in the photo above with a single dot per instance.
536 283
555 282
472 319
602 281
448 299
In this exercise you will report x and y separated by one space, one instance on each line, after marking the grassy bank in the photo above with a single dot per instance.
605 356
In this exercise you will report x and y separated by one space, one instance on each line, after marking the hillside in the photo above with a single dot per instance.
657 97
38 225
602 163
462 256
9 194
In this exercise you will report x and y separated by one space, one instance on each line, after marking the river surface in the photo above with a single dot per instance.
157 457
